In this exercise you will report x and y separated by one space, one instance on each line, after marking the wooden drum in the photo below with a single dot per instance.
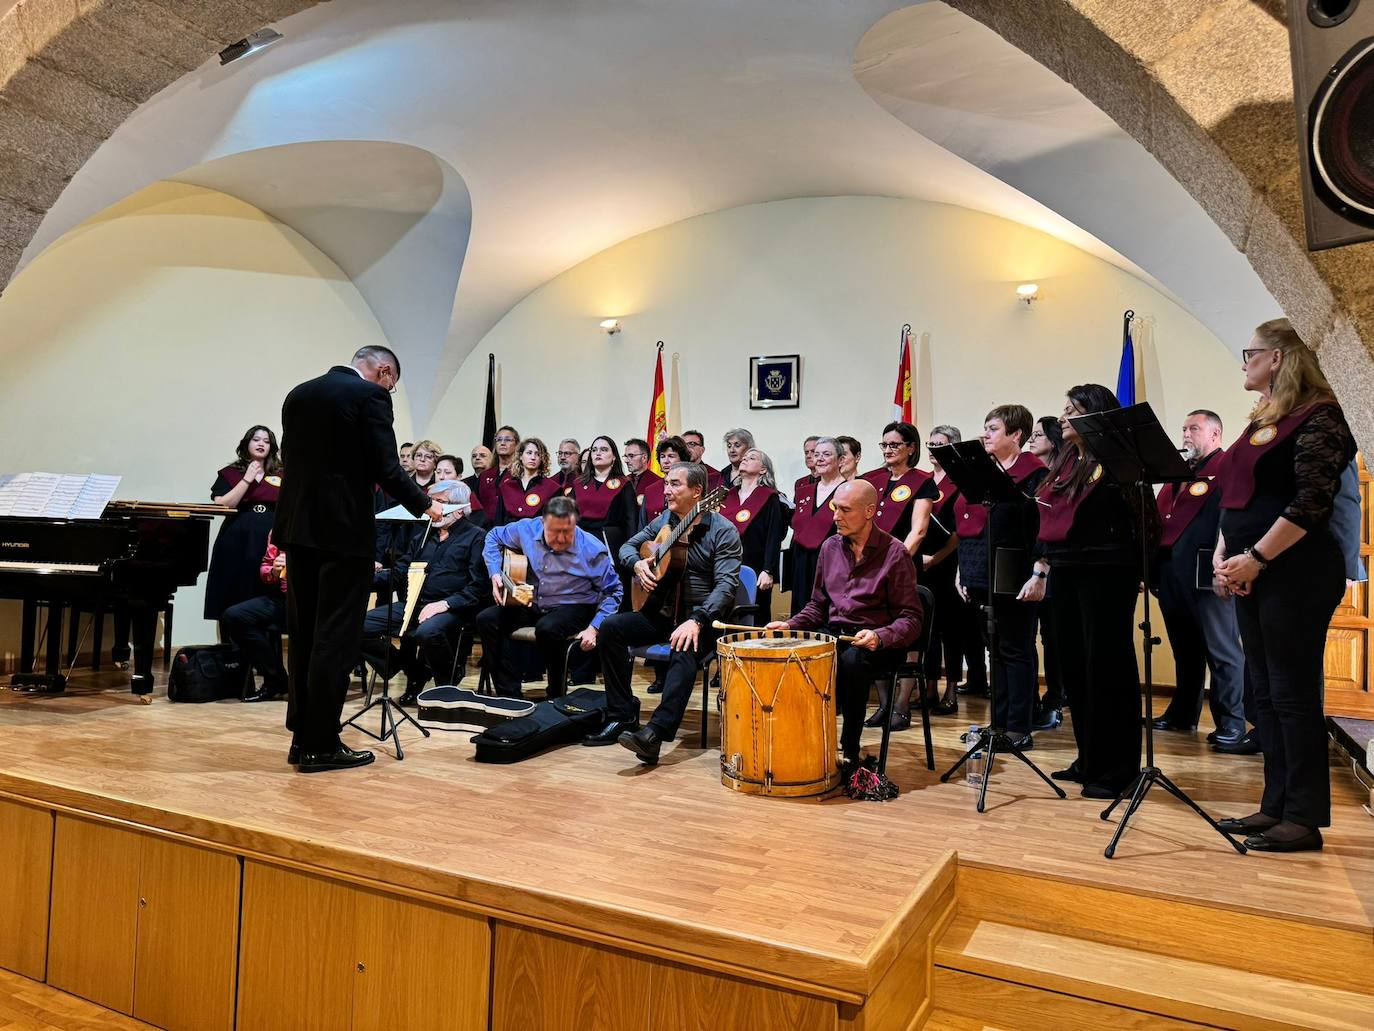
777 713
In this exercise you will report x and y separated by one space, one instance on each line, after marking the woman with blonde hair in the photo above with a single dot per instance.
1276 554
754 508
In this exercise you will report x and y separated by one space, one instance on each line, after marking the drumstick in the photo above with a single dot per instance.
717 624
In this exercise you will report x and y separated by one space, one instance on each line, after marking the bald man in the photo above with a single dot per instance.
865 587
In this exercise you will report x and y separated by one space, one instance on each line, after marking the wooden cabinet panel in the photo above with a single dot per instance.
423 967
1344 666
297 960
188 923
692 1000
542 982
25 879
94 912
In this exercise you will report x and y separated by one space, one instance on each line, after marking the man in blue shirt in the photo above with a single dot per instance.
575 588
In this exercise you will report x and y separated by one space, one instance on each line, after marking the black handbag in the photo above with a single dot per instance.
206 673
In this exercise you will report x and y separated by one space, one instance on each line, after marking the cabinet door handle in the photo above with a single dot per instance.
142 903
361 969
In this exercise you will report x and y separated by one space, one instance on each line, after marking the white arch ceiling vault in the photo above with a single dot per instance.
574 126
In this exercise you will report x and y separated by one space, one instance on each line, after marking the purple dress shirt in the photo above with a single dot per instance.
878 592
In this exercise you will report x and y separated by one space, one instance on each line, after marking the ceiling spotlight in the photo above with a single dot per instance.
611 326
259 40
1028 292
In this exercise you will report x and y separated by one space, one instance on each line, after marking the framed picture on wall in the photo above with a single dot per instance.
775 381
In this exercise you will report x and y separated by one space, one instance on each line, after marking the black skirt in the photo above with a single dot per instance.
236 559
802 574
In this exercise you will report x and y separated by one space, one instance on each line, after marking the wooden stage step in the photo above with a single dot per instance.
1033 952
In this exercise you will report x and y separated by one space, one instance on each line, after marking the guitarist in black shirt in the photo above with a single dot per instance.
683 617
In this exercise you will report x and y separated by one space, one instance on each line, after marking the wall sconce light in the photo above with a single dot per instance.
1028 292
611 326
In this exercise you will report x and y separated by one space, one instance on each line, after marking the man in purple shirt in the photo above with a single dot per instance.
865 587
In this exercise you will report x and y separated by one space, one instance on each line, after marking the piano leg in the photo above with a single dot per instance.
54 661
28 635
143 620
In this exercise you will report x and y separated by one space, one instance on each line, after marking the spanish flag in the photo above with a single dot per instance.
658 414
903 406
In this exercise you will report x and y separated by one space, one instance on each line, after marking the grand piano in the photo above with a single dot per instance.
136 554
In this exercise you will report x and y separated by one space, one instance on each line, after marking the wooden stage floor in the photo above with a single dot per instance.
800 889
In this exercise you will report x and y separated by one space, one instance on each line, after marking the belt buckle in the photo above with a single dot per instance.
259 508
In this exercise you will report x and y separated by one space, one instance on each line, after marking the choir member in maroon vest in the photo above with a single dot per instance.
636 454
1278 556
507 443
905 497
1090 546
1013 530
523 492
249 487
755 509
958 630
1201 623
607 506
1045 441
849 456
670 451
737 442
809 456
813 520
571 459
696 444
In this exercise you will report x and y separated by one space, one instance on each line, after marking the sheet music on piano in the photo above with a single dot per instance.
56 495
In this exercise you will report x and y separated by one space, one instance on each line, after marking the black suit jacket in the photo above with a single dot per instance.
337 430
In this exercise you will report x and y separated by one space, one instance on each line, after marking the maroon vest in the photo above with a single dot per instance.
1180 503
970 520
894 496
741 515
809 526
947 494
641 483
1057 520
523 502
263 492
712 477
1237 472
489 487
594 499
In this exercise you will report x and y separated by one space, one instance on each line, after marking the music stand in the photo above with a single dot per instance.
982 481
390 727
1134 450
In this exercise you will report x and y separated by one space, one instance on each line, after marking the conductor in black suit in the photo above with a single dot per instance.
338 427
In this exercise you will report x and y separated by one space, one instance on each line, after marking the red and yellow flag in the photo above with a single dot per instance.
658 414
903 405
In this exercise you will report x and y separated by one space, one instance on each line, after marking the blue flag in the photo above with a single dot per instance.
1125 376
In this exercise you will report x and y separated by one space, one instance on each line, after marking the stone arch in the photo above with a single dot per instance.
71 71
1206 87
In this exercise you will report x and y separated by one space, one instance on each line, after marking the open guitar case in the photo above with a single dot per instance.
558 721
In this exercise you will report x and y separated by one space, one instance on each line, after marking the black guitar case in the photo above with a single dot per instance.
560 721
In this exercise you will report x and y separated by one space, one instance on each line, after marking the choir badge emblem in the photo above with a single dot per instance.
1263 436
531 499
1200 488
613 483
272 481
1097 474
775 381
639 499
831 503
901 493
742 516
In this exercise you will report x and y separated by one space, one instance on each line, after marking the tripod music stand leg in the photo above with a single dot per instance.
1128 791
1142 788
1039 773
975 747
411 720
1178 793
987 773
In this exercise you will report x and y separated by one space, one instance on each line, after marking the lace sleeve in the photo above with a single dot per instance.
1323 447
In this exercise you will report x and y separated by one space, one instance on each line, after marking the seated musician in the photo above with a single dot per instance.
452 591
575 589
250 623
705 593
866 587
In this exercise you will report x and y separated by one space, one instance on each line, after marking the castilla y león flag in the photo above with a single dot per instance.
903 404
658 414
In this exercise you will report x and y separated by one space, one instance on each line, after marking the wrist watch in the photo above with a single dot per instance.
1039 574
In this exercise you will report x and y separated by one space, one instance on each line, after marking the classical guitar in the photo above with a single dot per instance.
667 554
516 590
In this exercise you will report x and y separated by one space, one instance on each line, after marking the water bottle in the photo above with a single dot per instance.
974 768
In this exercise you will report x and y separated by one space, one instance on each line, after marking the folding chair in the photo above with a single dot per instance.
914 666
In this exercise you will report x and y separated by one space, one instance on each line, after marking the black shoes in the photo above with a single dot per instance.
1166 722
1047 719
656 687
1286 837
1247 745
876 720
408 698
1073 773
1103 791
1255 823
610 733
946 708
293 754
1020 742
644 742
900 721
1226 738
977 688
341 758
269 691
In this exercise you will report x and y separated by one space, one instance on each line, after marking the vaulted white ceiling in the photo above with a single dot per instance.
573 124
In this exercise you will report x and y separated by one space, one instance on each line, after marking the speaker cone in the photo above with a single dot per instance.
1342 127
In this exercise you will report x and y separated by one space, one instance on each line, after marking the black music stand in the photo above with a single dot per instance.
390 727
1135 451
983 481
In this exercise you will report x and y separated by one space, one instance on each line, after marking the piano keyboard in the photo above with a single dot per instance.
44 568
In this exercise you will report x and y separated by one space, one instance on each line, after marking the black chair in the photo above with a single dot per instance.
914 666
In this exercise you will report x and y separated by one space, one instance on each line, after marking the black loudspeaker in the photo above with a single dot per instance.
1333 88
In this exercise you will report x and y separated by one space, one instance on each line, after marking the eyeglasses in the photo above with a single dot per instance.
1250 352
425 454
505 440
887 445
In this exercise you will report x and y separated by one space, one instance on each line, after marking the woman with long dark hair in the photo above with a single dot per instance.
1045 441
605 502
1276 554
247 488
1090 540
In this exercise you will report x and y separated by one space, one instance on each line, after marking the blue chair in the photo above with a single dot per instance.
745 611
